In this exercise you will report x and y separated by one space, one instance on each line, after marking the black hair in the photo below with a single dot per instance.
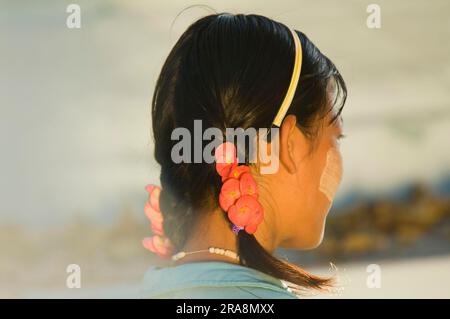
233 71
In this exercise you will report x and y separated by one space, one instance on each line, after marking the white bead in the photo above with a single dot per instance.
179 255
212 250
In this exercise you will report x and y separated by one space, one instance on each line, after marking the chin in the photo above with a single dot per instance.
317 242
309 237
312 244
315 239
305 243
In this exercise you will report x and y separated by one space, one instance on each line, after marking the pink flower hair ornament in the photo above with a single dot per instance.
239 193
158 243
238 198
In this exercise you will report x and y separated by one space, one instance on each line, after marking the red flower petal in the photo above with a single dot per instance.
238 216
154 216
248 185
157 228
224 169
257 218
148 244
237 171
229 193
149 188
158 245
225 153
154 198
251 229
226 159
243 212
157 231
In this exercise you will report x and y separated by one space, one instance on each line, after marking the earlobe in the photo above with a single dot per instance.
287 144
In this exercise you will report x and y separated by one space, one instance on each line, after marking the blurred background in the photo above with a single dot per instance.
76 148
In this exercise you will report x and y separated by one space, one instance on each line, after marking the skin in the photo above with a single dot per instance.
294 190
295 208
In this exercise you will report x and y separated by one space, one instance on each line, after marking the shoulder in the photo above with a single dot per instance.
213 280
220 293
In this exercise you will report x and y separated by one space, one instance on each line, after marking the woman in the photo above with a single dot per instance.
221 221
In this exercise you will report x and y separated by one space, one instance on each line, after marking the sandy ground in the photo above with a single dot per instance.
415 278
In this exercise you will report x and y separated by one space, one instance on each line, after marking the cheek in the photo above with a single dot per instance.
331 174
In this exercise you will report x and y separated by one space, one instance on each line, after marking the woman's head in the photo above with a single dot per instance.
232 71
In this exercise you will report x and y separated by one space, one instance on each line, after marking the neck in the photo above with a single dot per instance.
214 231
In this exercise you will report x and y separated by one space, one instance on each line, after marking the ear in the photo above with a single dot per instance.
287 144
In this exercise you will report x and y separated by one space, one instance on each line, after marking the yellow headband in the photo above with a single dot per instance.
294 81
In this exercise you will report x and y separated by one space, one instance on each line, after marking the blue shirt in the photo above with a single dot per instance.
213 280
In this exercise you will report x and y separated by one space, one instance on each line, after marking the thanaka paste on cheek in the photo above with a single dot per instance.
331 174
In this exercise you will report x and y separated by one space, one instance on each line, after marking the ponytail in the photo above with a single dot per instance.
253 255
